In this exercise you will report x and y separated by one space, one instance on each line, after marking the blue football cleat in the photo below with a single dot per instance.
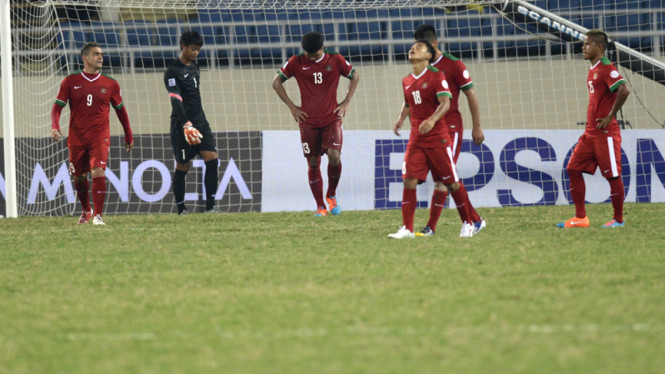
335 210
477 226
613 223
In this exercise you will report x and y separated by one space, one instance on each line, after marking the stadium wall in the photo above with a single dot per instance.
513 95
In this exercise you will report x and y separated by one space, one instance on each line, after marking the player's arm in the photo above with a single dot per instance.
123 117
622 94
55 121
344 105
474 107
278 86
192 135
405 112
60 102
428 124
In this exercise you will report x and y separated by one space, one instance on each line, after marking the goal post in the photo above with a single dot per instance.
9 150
527 81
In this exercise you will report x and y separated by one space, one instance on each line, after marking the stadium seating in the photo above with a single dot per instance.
140 36
107 34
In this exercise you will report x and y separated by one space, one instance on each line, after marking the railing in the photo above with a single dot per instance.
226 48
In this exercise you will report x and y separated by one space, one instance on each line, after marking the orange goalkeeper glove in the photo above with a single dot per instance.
192 135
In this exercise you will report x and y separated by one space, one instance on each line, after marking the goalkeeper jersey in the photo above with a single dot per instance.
183 84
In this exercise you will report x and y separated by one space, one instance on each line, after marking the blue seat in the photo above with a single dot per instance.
107 34
563 4
71 40
466 28
402 33
630 22
365 31
168 38
267 36
140 34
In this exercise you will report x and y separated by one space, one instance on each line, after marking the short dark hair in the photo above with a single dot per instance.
312 42
598 37
191 37
430 49
87 46
425 32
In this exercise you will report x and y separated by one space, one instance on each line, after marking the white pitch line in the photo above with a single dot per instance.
375 331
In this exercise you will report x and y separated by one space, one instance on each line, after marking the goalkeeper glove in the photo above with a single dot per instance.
192 135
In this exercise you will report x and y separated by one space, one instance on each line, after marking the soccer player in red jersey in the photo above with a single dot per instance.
317 72
459 79
89 93
426 100
600 144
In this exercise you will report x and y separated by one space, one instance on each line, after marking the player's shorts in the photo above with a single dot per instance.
184 152
455 133
318 140
84 159
594 151
418 162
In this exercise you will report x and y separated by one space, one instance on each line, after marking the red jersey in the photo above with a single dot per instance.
458 78
317 81
89 97
421 94
602 83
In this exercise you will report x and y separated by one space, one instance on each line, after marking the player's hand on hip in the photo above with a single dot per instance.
398 126
298 114
56 135
426 126
478 135
192 134
603 122
341 109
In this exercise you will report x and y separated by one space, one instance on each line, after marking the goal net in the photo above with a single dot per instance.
530 84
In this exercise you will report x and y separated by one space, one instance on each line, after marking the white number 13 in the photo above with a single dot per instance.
318 78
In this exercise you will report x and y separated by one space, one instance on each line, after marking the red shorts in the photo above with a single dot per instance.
594 151
83 159
419 161
455 135
318 140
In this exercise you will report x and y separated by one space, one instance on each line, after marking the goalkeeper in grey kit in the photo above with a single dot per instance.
190 131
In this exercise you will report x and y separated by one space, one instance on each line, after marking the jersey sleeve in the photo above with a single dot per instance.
288 69
116 98
63 93
442 86
171 83
462 76
345 67
612 78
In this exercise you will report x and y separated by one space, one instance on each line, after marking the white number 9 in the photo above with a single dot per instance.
89 100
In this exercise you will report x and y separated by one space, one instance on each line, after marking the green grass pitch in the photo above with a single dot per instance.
288 293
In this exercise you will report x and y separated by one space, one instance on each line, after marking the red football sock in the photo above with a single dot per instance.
82 190
461 202
617 194
98 194
577 192
435 208
409 203
334 172
316 185
472 211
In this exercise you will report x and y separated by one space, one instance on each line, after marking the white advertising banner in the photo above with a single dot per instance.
511 168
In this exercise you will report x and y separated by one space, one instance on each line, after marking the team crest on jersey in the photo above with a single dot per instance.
425 85
103 90
328 67
595 76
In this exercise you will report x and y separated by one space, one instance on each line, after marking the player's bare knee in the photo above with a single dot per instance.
97 172
452 187
439 186
410 183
